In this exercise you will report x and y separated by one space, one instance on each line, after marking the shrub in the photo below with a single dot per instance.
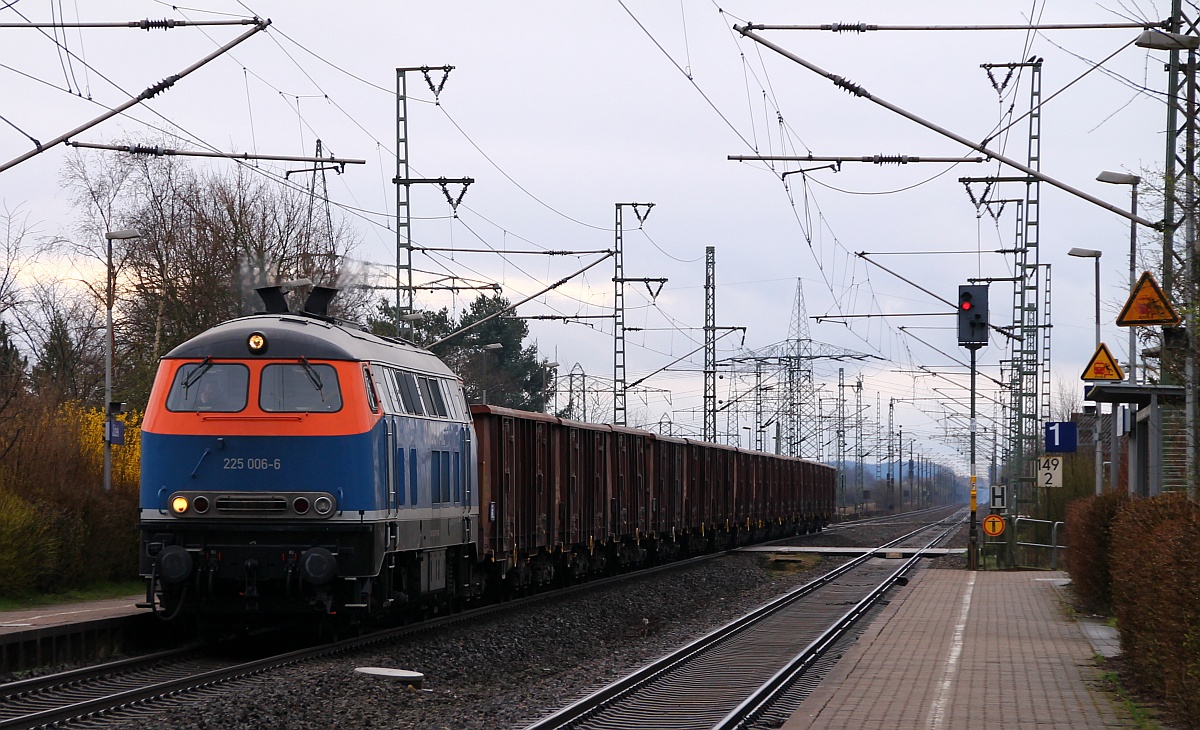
1156 594
25 543
83 533
1089 541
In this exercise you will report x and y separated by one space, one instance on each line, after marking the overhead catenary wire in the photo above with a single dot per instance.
158 151
867 27
511 307
863 93
148 93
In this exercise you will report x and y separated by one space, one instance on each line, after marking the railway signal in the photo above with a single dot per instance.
972 315
973 334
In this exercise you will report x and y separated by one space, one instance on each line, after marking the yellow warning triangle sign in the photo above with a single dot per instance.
1103 366
1147 305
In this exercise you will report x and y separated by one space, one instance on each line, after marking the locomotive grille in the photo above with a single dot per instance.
246 504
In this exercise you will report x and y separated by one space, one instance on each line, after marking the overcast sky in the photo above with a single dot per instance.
560 110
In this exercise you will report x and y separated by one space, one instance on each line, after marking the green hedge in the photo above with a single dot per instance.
1156 594
1089 548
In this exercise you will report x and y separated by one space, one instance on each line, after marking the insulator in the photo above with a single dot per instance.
148 24
849 28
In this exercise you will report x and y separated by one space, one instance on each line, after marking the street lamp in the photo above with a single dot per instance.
109 237
545 369
1091 253
1161 40
1124 178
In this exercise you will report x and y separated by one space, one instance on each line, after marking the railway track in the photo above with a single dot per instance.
731 676
89 692
141 682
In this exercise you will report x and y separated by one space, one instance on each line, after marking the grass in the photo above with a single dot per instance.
98 592
1142 716
792 562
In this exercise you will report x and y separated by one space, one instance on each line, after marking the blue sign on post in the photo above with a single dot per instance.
1062 437
114 432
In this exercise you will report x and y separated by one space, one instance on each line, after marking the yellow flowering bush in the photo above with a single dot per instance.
57 523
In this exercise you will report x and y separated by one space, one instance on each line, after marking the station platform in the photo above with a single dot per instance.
43 617
70 633
962 649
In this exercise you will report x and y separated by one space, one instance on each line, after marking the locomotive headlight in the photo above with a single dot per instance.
323 505
257 343
179 505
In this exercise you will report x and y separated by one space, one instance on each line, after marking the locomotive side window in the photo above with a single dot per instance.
409 393
456 401
448 399
299 387
432 392
208 386
455 405
386 386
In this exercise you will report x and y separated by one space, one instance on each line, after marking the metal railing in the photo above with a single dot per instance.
1026 543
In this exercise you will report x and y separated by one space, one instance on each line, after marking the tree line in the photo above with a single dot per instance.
207 239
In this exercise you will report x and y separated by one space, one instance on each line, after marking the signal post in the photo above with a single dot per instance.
973 334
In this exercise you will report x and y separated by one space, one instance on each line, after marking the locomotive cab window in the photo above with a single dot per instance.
209 387
372 398
299 387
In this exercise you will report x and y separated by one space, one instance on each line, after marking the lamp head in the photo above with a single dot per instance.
1161 40
1118 178
1085 253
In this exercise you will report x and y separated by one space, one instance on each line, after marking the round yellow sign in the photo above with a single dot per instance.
993 526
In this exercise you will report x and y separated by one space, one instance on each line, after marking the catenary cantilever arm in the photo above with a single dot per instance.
859 91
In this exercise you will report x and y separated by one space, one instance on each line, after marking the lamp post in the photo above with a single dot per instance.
109 288
1176 43
546 369
1091 253
1124 178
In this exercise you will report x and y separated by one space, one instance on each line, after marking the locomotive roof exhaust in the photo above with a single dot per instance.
319 299
274 298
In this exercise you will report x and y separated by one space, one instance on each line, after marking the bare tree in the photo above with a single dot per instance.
208 239
1067 399
61 326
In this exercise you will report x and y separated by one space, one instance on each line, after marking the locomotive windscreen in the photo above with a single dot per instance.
208 386
300 387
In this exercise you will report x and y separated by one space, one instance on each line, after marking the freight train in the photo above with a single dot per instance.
294 464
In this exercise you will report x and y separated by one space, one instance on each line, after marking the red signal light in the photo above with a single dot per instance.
966 306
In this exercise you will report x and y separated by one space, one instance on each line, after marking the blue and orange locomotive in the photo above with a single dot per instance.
295 464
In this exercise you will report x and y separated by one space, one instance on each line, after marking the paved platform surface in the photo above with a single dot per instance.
895 553
28 619
961 649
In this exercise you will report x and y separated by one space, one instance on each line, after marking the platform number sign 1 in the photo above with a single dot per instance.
1050 471
1062 437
